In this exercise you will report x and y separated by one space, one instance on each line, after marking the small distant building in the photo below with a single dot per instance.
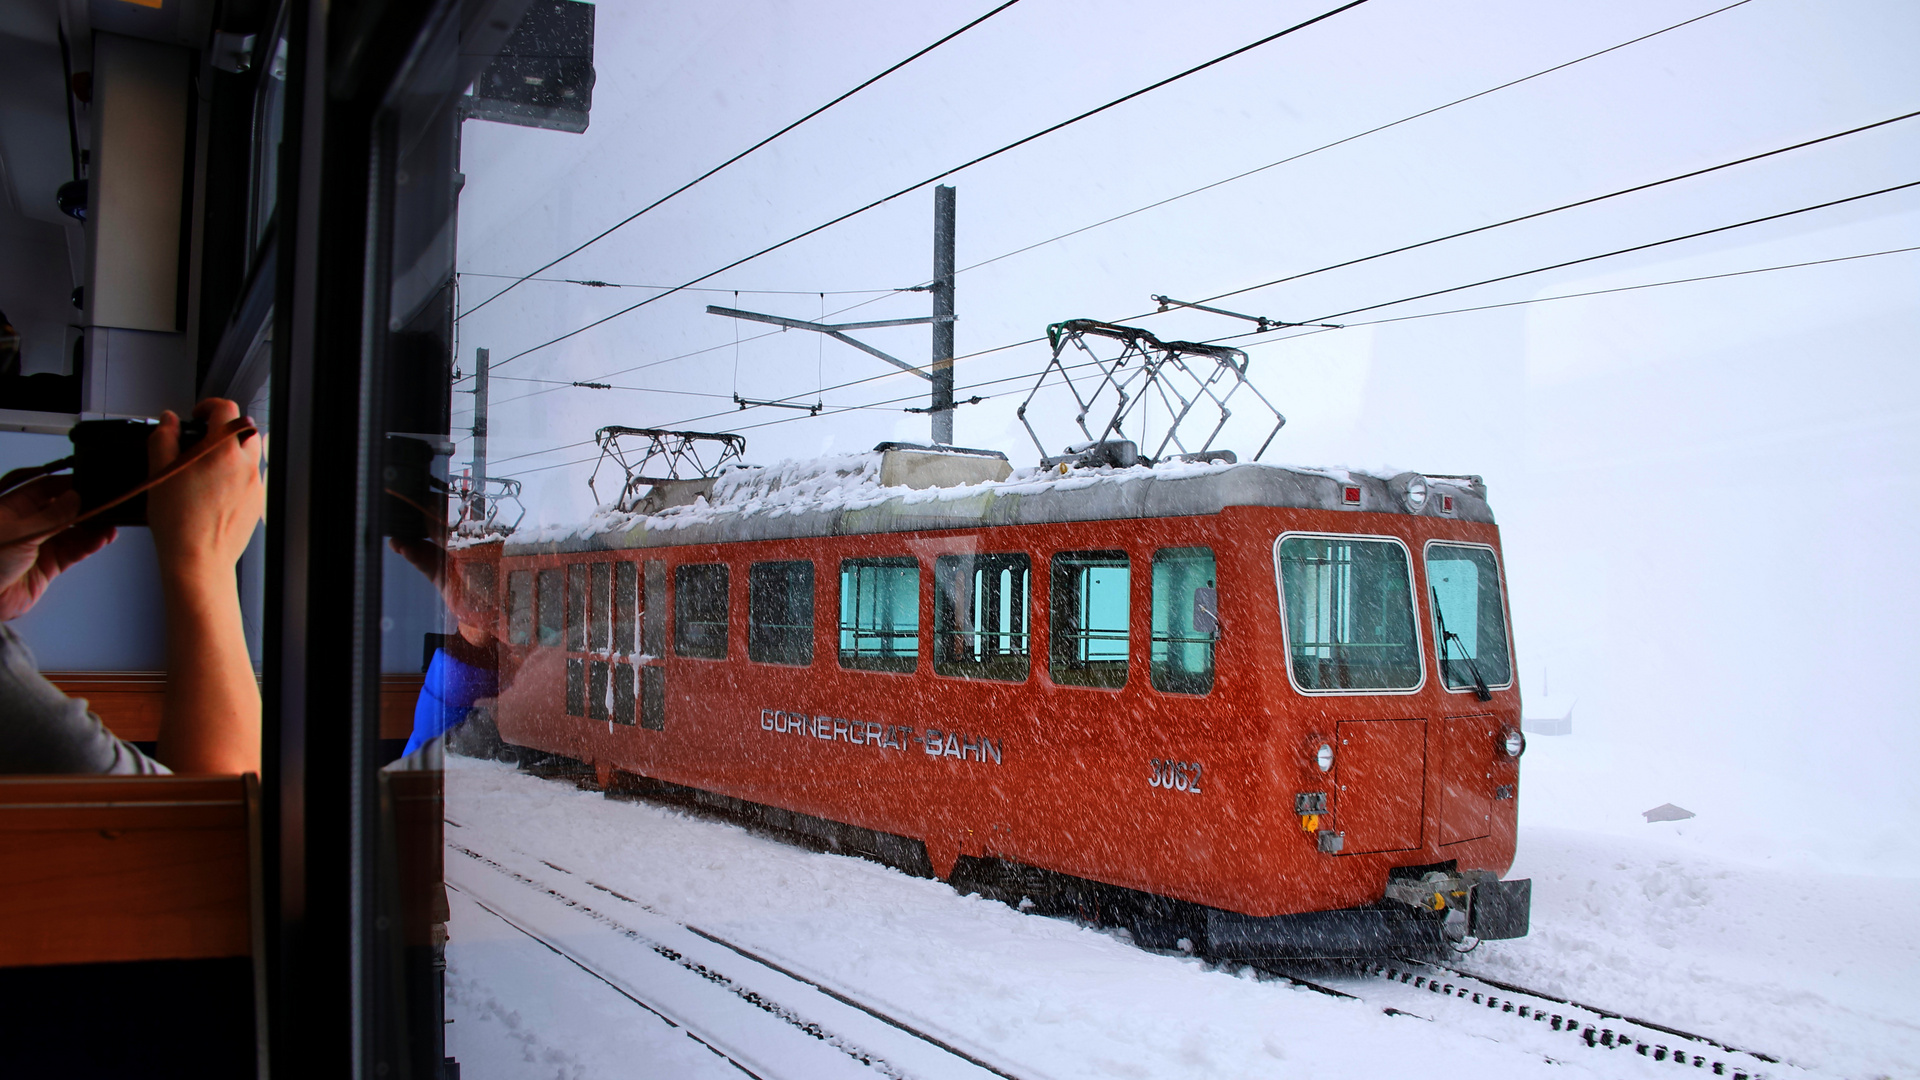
1666 812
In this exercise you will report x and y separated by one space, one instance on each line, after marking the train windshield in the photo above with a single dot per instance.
1470 626
1349 614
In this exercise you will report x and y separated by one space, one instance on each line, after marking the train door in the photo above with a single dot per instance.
1465 787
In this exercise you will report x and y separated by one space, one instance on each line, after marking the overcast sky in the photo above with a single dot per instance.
1707 491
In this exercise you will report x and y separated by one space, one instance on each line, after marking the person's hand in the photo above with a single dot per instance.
203 517
26 569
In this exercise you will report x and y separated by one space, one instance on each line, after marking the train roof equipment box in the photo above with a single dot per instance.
923 465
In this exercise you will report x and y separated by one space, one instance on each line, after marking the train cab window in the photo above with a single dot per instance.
1186 620
1091 594
1349 614
552 606
880 613
577 608
780 613
520 607
980 616
1470 625
700 611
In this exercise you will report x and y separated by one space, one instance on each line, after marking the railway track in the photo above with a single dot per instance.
764 1018
1556 1026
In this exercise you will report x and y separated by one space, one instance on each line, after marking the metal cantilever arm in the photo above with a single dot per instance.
834 331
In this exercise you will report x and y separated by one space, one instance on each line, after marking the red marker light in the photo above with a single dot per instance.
1446 504
1351 494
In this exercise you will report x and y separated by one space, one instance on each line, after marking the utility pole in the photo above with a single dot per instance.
477 501
942 367
939 373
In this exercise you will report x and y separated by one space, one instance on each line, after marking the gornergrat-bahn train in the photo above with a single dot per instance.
1242 709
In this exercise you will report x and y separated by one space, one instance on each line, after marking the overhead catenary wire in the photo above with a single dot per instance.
1172 198
943 174
1451 289
1649 185
1621 251
1347 139
1350 325
595 284
629 219
1533 215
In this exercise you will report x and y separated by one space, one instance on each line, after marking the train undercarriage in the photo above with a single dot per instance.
1427 910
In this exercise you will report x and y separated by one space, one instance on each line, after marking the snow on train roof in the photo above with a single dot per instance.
842 495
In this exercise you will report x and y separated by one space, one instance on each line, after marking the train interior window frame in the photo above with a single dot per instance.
964 584
869 592
269 130
1503 624
1183 628
777 590
1071 655
715 610
1417 646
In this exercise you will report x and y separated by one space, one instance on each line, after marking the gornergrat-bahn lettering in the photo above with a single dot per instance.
935 742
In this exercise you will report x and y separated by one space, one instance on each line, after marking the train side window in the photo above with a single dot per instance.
980 616
520 607
880 613
577 608
1470 623
552 606
1349 614
700 611
780 613
626 601
623 693
653 698
576 687
1186 620
599 630
478 583
653 610
1091 595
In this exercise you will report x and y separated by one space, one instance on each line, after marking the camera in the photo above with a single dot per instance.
110 458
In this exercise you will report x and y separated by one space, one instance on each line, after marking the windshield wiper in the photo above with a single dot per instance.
1479 684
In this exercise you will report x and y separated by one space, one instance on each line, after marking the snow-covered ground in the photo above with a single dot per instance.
1819 969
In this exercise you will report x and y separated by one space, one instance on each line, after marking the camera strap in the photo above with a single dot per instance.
238 428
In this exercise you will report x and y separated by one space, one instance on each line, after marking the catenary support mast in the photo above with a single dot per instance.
942 367
478 497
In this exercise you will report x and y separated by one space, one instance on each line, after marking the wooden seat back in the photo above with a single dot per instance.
110 868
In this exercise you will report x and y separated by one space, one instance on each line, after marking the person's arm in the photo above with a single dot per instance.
201 521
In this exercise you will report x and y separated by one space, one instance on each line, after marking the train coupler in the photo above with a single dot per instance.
1476 903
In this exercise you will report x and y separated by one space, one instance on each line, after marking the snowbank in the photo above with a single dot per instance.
1737 954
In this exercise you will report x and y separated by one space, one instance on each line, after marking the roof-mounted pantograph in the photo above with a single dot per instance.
1193 382
650 456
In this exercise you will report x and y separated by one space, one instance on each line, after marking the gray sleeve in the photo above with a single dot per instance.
44 731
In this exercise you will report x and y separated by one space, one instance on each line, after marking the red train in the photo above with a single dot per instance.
1250 710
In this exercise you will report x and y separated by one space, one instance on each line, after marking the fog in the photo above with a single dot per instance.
1707 490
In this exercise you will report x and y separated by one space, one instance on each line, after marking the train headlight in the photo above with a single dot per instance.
1412 490
1514 743
1323 757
